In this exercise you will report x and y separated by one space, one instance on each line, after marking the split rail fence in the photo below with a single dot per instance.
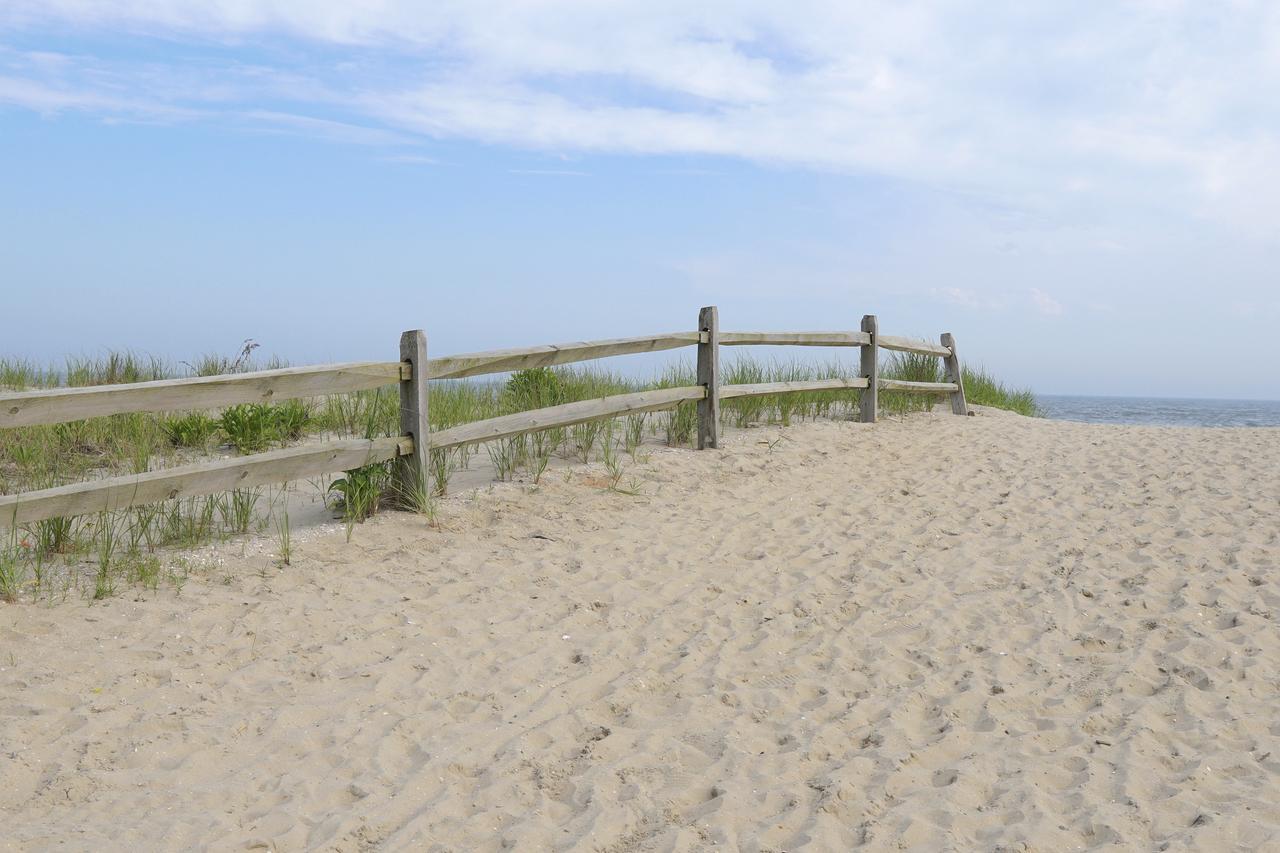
413 373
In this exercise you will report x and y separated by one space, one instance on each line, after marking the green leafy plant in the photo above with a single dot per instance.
13 571
284 534
505 456
291 419
55 535
237 508
249 427
358 492
634 433
194 430
105 540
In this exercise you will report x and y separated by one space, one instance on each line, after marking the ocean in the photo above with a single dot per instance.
1161 411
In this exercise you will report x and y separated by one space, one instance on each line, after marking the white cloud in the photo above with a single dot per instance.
1044 303
1164 104
957 296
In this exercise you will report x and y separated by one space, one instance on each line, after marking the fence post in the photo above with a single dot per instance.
412 473
870 398
709 378
952 365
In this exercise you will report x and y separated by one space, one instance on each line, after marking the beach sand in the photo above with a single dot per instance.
932 633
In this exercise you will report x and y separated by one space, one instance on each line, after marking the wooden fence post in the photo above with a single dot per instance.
871 370
709 378
951 363
413 469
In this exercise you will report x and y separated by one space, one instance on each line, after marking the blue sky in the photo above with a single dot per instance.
1089 198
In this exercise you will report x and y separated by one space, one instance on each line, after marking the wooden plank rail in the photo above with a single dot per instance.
504 361
795 339
921 387
276 466
60 405
900 344
761 388
565 415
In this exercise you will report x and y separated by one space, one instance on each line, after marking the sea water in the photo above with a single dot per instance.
1160 411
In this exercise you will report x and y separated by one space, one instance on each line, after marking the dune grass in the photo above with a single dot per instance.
119 547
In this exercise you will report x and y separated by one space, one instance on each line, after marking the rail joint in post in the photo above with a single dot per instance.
870 398
412 469
709 377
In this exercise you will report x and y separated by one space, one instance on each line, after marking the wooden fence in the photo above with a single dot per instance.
413 372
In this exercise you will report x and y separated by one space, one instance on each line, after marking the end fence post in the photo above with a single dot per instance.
413 469
870 398
952 365
709 378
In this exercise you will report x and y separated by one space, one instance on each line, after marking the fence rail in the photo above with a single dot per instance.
761 389
795 339
504 361
566 414
413 373
60 405
275 466
893 342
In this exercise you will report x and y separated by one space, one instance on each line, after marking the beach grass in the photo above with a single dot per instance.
116 544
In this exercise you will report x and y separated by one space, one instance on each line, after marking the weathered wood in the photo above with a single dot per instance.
565 415
900 344
761 388
869 400
60 405
276 466
412 470
922 387
709 378
951 367
798 339
503 361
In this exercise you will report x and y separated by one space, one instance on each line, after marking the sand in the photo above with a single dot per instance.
933 633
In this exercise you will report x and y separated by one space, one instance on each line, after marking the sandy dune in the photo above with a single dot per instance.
939 633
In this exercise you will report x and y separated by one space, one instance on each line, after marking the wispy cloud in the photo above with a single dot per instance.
1044 303
563 173
1054 105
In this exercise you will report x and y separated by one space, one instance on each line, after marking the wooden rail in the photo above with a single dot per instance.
795 339
276 466
922 387
762 388
60 405
894 342
413 372
504 361
566 414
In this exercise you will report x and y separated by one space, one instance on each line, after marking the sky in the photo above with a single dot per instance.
1087 195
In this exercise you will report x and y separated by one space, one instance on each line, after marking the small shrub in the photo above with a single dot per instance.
194 430
249 427
534 388
13 574
291 420
359 492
